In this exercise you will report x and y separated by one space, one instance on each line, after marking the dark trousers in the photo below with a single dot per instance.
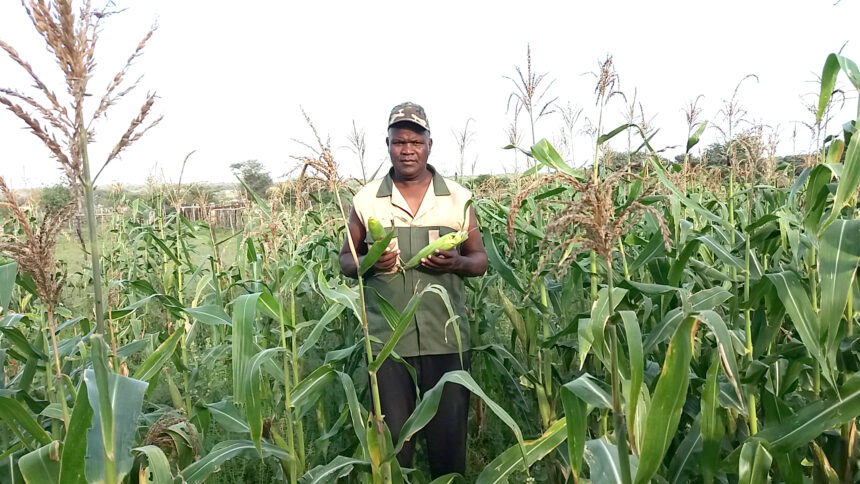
446 432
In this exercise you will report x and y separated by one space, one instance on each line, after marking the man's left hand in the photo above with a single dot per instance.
442 261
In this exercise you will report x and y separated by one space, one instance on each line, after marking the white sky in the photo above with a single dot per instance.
232 75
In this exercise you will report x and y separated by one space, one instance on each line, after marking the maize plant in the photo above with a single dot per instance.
656 326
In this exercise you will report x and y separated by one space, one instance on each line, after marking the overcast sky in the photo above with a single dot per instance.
231 76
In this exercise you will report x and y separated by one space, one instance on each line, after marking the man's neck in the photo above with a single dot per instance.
423 179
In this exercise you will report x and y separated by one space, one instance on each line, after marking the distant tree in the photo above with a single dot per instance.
54 198
254 174
619 160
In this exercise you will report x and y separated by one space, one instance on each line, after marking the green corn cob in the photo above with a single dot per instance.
375 228
446 242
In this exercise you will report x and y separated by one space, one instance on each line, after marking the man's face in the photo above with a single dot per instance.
409 148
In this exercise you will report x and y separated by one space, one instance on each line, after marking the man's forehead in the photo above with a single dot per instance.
407 132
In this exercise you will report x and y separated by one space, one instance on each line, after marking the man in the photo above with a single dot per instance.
422 206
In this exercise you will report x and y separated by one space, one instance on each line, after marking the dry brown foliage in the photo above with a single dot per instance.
322 164
159 435
607 81
34 250
587 222
59 120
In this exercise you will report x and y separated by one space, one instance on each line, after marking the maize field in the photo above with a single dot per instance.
663 322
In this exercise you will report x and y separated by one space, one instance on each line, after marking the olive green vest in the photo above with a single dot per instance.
433 330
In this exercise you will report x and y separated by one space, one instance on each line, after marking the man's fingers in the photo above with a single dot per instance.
445 253
437 262
387 259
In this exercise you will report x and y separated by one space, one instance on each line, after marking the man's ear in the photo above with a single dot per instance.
429 144
387 142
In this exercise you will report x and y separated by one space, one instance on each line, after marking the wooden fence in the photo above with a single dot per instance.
226 216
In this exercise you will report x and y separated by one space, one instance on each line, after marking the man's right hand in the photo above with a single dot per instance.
388 259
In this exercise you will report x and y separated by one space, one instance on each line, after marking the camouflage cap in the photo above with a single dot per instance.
408 112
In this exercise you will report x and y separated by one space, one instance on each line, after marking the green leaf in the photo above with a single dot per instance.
688 202
400 325
212 314
799 182
685 456
694 140
228 416
712 422
375 252
517 321
340 466
602 459
264 207
576 420
655 248
550 193
650 289
341 294
590 391
546 154
426 409
16 338
796 301
838 258
116 402
600 311
499 264
42 466
721 252
811 421
829 73
244 346
724 348
8 271
73 461
669 397
269 305
513 459
356 412
14 414
754 463
306 394
197 472
848 182
700 301
828 82
159 358
637 365
158 470
447 478
253 400
834 152
608 136
330 315
816 196
164 249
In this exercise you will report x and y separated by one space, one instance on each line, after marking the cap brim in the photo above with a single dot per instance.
409 121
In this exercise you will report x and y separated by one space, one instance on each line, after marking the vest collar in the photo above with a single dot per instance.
439 186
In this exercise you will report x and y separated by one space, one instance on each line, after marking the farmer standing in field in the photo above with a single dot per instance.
422 206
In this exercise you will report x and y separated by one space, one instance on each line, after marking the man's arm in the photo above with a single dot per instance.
470 261
357 232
